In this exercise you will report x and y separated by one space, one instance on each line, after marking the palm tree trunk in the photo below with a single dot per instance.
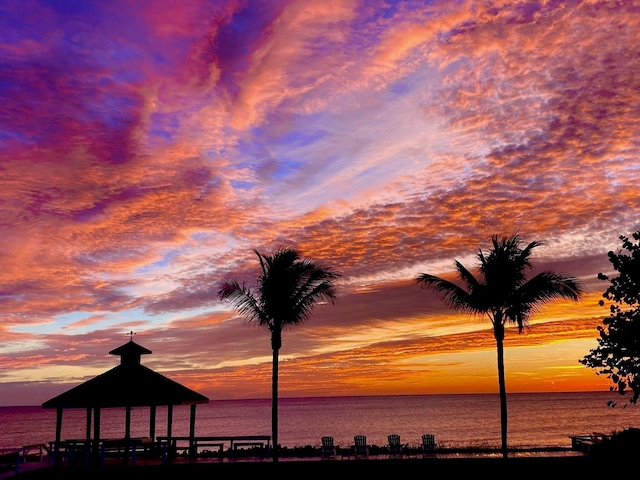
499 334
276 341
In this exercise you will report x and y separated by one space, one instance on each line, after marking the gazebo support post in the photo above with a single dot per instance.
192 432
56 448
127 423
87 433
170 453
87 439
127 433
152 424
96 435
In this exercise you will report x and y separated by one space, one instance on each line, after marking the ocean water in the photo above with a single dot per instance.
535 419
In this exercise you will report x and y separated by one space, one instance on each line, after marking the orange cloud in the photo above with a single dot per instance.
148 148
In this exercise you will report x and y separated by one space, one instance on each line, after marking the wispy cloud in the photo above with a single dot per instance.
147 148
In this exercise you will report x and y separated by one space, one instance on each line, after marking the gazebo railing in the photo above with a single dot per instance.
77 452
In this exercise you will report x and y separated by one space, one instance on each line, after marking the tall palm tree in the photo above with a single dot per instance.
503 293
288 288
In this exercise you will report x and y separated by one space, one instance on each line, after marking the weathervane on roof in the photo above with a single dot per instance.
131 334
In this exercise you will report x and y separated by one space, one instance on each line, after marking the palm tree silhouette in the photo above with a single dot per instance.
504 295
288 288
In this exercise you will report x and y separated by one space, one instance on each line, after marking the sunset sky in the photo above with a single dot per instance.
147 146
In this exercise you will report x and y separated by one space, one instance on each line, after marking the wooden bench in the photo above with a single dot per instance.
586 443
218 445
125 448
30 450
10 459
246 444
189 446
576 441
62 452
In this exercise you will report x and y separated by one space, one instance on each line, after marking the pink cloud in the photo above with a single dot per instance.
147 148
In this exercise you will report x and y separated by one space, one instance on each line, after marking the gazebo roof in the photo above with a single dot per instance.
130 350
130 384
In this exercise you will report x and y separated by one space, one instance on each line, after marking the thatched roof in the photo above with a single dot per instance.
130 384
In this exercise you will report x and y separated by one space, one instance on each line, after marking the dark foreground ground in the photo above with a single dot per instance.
528 467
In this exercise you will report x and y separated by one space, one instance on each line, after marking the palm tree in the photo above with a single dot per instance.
288 288
504 295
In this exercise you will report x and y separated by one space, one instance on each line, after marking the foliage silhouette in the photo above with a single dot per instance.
621 444
288 289
618 353
503 293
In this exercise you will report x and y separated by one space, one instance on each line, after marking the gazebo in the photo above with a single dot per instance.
127 385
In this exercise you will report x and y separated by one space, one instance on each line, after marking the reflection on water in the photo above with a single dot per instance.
541 419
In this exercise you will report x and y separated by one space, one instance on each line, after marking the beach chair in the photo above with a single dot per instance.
328 448
428 445
360 447
395 447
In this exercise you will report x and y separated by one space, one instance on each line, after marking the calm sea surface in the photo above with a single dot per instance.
539 420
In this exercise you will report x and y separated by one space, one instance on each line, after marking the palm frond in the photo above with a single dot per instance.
453 295
288 288
306 303
243 301
504 268
467 277
547 286
539 291
502 291
526 252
